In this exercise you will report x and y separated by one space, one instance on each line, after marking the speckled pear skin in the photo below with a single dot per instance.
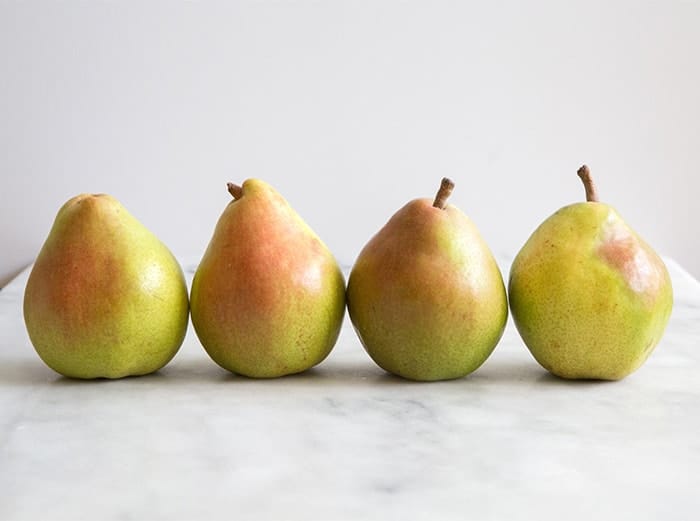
268 297
105 298
589 297
426 296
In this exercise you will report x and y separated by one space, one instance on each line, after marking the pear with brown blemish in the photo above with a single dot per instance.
105 298
268 297
589 297
425 295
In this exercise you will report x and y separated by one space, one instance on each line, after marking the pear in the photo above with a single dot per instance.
268 297
589 297
425 295
105 298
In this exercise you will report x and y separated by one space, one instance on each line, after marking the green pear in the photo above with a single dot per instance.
105 297
268 297
425 295
589 297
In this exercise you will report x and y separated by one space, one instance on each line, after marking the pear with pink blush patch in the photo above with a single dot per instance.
589 297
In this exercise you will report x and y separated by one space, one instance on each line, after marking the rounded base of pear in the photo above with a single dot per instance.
265 374
103 373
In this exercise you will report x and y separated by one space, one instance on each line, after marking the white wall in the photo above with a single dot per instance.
350 109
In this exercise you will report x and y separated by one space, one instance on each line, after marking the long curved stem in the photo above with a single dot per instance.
591 193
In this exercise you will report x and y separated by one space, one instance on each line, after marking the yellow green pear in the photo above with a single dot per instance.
105 298
268 297
425 295
589 297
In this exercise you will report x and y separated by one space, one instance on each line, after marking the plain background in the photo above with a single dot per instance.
350 109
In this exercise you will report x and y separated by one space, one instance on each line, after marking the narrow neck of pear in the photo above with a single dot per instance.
235 190
591 193
446 187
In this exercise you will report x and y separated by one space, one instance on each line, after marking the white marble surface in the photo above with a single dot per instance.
347 441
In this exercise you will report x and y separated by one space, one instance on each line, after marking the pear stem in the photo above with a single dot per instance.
591 193
446 187
235 190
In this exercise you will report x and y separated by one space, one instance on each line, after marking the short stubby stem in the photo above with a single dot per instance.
591 193
235 190
446 187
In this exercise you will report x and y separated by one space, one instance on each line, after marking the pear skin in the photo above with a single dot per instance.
425 295
589 297
105 298
268 297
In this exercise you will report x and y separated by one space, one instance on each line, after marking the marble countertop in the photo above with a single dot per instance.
347 441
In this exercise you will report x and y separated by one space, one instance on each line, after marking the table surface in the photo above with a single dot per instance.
347 441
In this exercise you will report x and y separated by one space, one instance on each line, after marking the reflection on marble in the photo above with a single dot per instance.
347 441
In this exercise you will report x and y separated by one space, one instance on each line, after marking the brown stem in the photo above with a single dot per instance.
235 190
444 192
591 193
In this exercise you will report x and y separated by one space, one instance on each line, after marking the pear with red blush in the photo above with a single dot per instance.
105 298
268 297
426 296
589 297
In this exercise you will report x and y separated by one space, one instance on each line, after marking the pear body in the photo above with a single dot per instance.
426 296
589 297
105 298
268 297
